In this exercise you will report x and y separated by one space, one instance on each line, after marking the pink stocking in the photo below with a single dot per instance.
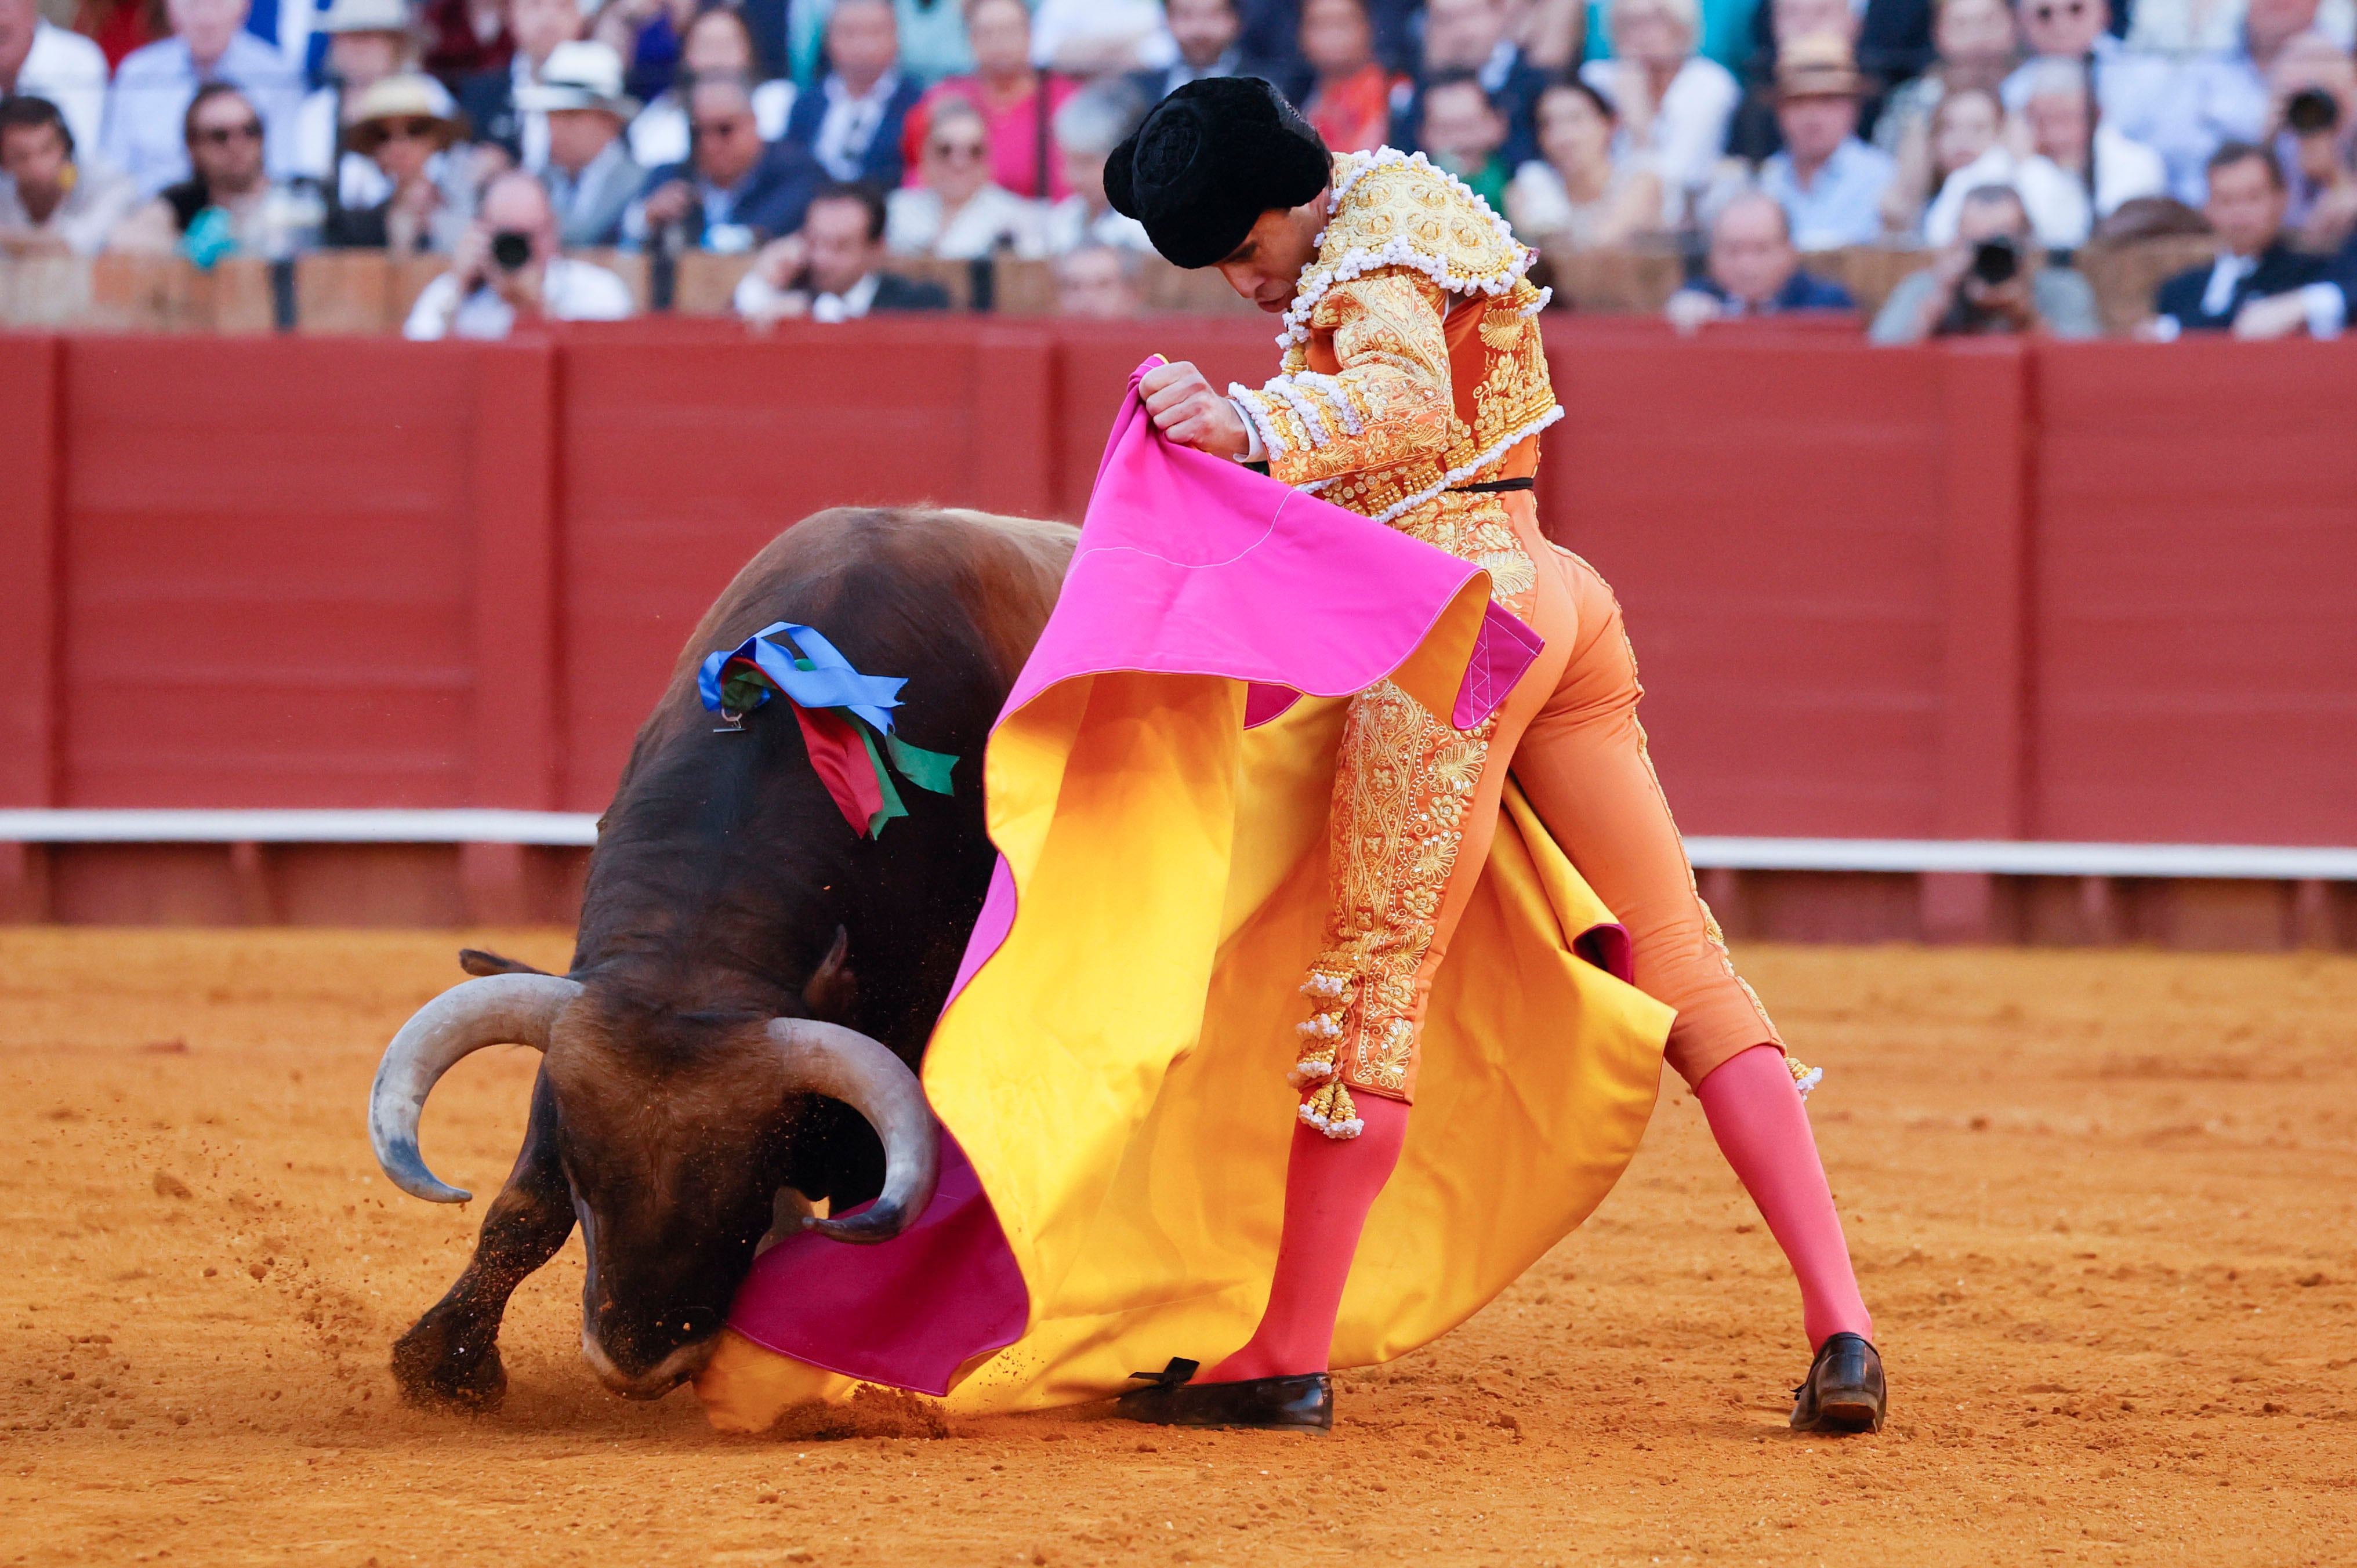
1755 1113
1329 1185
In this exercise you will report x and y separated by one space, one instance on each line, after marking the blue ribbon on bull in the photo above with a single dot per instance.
820 678
851 710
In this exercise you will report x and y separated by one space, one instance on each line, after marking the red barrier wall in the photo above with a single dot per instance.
2101 591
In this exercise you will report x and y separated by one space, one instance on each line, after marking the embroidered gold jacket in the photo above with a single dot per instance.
1412 359
1413 365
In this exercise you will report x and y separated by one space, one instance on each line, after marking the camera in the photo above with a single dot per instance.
1996 261
511 248
2311 111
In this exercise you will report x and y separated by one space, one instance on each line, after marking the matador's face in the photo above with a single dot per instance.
1266 268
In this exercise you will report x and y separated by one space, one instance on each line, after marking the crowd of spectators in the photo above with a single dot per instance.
823 139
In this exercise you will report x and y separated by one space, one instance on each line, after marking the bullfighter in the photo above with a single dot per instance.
1412 391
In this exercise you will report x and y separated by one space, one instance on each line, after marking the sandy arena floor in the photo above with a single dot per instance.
2103 1205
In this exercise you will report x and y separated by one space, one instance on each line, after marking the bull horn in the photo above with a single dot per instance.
495 1010
843 1064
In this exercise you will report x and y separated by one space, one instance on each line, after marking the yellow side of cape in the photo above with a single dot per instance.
1116 1072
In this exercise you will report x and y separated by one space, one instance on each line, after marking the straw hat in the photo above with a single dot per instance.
1818 66
406 97
582 75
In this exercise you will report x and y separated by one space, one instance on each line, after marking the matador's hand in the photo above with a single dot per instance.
1189 412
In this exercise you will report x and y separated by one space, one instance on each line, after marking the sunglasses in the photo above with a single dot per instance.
959 151
222 135
409 130
2048 13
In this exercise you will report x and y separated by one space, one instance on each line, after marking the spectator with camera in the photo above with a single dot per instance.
148 106
1830 182
833 270
1752 270
591 177
2229 97
405 128
49 204
509 271
2314 89
229 205
2258 286
41 59
734 193
1992 278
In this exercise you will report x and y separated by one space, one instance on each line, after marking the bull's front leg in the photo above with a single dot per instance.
451 1357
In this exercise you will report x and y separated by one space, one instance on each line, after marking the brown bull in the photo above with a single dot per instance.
752 978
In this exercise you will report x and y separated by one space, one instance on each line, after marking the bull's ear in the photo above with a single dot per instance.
475 960
833 989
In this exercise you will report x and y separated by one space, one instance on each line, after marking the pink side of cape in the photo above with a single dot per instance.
1187 564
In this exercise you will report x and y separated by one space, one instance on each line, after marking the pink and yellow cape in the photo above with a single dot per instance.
1110 1070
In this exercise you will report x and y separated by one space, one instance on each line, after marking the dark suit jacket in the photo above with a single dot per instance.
881 167
1802 291
775 196
2279 271
488 97
894 292
1519 100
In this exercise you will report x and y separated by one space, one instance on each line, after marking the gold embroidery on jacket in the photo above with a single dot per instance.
1384 435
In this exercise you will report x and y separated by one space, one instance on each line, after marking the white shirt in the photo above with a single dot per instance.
851 125
70 72
659 135
913 225
1056 23
755 295
570 290
1689 134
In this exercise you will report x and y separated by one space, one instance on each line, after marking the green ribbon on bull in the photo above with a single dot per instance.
744 684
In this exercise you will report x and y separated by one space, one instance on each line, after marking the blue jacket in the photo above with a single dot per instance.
881 166
770 202
1802 291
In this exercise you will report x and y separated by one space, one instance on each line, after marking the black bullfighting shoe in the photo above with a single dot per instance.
1843 1392
1302 1403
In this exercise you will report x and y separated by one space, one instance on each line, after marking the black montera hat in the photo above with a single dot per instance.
1209 160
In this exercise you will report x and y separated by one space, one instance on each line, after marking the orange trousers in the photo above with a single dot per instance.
1569 735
